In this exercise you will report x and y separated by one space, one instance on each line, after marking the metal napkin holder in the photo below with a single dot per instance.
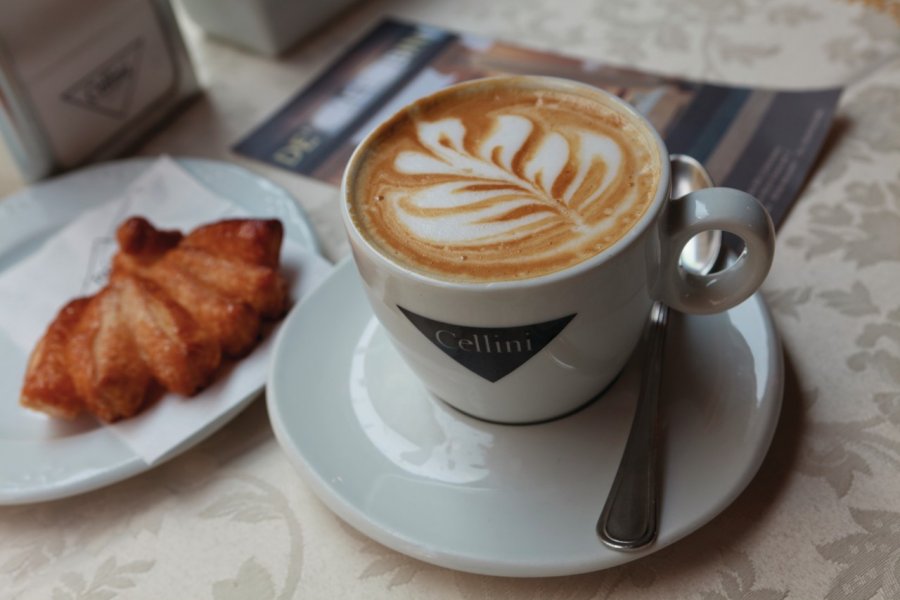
84 81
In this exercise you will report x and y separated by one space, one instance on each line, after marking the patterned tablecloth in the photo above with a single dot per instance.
231 519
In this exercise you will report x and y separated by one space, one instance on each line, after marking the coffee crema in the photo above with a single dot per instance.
497 182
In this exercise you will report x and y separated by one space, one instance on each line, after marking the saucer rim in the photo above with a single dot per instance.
500 566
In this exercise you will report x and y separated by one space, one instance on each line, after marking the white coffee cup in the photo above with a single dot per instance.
527 350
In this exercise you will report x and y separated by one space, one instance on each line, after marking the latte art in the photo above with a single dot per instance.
499 184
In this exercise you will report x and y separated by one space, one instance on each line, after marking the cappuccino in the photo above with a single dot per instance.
489 182
512 234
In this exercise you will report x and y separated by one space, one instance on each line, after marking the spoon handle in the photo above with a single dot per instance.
630 516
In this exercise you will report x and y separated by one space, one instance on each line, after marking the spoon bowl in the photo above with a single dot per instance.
702 251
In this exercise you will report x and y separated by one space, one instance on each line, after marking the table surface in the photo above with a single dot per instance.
231 519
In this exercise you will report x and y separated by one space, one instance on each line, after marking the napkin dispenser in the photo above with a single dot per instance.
83 81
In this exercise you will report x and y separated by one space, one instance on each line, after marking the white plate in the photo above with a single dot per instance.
37 463
423 479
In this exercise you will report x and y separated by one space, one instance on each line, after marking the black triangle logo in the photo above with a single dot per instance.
490 352
108 88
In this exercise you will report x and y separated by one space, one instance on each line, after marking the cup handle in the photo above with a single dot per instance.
729 210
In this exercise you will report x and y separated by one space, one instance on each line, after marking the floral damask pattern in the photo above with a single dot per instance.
107 581
870 559
251 581
867 127
258 501
853 229
861 226
880 347
841 451
383 563
231 519
695 25
737 581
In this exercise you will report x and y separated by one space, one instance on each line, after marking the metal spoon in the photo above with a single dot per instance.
630 517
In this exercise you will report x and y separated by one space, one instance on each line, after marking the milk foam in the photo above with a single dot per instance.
504 185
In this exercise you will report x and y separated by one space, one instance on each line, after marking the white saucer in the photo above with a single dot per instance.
423 479
39 463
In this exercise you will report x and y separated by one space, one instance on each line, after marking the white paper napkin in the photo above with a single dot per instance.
75 262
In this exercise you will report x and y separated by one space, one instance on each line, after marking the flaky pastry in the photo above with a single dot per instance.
173 307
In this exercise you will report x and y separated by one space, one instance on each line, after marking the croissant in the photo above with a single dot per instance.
174 306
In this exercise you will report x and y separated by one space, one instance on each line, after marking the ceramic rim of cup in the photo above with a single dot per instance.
540 81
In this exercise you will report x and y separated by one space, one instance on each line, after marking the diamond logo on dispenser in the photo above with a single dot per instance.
108 89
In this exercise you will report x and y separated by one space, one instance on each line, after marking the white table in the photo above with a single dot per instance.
231 519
